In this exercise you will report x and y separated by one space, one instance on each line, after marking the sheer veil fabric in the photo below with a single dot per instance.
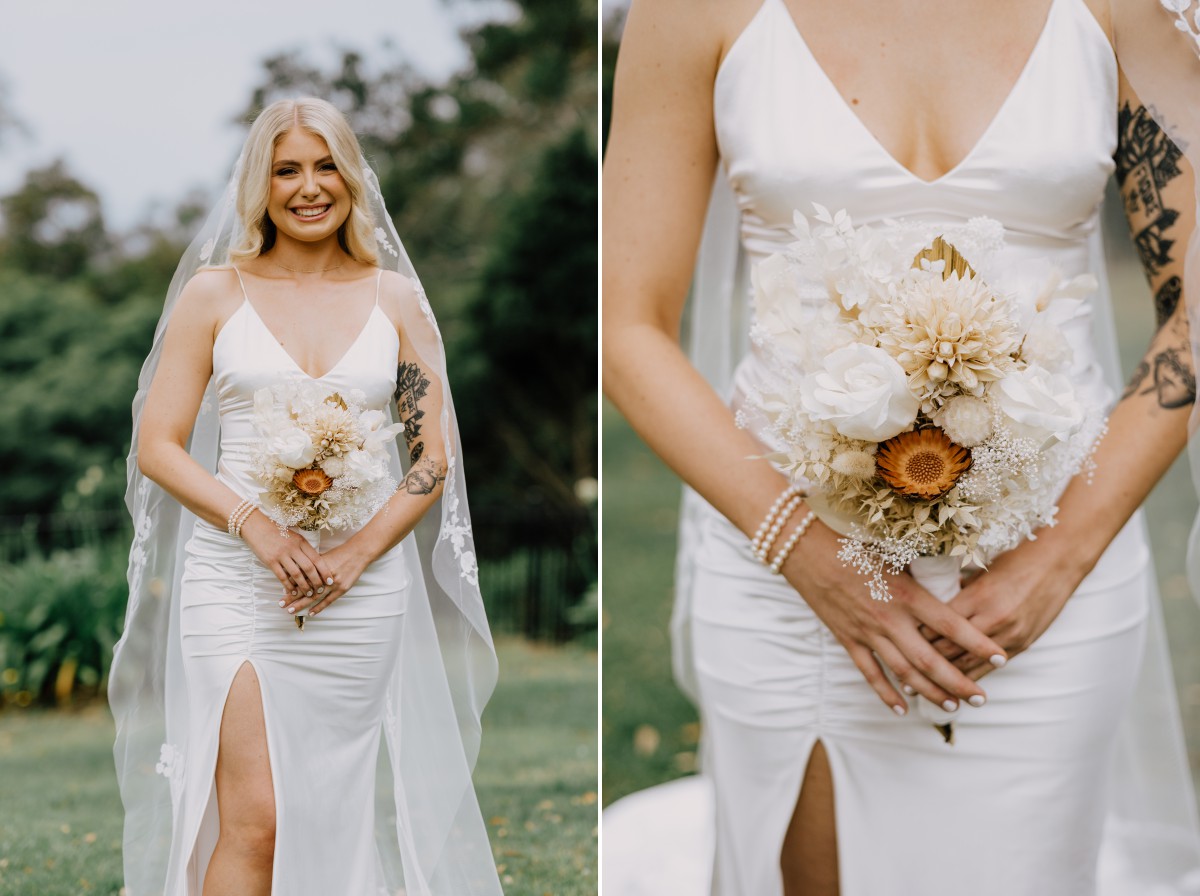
1152 822
430 836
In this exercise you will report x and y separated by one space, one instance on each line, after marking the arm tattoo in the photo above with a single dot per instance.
423 477
1170 375
1166 300
1146 161
411 386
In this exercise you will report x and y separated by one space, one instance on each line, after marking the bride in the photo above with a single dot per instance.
298 598
824 778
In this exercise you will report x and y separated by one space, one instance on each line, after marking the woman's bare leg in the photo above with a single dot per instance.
809 855
242 861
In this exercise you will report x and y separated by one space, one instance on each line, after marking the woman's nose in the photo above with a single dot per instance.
309 187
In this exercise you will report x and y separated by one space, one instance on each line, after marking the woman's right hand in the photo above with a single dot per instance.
884 635
295 562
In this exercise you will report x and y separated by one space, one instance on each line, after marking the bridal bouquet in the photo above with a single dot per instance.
929 414
321 456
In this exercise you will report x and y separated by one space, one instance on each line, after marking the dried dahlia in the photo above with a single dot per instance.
311 481
922 463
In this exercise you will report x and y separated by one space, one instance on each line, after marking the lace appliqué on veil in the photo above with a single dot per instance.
1181 9
171 766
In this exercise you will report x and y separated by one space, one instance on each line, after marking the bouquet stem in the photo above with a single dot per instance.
942 577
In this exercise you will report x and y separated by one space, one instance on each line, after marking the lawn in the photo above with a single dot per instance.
60 815
649 728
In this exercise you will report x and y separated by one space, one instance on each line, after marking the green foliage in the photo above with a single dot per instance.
529 362
62 615
52 225
69 367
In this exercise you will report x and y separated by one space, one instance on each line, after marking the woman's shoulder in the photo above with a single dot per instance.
703 30
210 296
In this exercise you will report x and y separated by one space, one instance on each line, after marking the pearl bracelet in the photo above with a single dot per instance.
797 534
240 514
768 530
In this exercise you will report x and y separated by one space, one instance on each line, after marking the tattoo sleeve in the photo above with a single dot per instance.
411 386
1146 161
424 474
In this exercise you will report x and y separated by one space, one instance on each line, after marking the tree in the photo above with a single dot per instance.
52 225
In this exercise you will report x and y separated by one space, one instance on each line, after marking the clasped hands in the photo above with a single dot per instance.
311 580
917 643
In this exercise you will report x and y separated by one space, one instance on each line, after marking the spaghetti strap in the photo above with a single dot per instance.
378 280
245 297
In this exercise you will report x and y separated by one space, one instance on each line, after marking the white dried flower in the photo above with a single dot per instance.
966 420
855 464
950 335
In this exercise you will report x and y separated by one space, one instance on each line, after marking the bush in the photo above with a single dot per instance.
62 614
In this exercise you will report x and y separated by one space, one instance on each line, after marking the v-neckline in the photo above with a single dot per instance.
279 345
1042 38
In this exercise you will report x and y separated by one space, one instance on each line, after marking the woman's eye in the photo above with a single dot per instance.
284 172
329 166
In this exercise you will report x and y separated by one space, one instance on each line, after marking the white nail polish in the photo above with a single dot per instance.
998 661
949 706
291 609
977 700
321 590
309 594
283 603
329 581
899 710
909 689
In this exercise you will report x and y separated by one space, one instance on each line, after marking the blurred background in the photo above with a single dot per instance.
119 123
650 731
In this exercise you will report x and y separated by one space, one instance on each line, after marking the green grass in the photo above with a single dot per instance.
60 815
650 729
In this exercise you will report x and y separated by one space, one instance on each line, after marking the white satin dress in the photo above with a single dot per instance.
1017 805
323 688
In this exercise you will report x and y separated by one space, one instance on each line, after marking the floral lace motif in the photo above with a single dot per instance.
171 766
457 529
1180 9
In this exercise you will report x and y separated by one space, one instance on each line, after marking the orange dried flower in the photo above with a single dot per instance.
922 464
312 481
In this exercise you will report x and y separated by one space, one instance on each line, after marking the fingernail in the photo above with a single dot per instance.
329 581
283 603
291 609
321 590
999 661
977 699
909 689
899 710
949 706
309 594
295 593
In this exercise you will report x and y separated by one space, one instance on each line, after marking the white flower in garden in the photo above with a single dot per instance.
1039 405
862 392
966 420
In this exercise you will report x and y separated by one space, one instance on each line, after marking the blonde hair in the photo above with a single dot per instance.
356 235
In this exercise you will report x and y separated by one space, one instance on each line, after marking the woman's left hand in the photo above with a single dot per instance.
346 563
1013 603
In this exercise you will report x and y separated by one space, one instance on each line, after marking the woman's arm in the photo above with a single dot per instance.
419 407
658 172
1025 589
170 413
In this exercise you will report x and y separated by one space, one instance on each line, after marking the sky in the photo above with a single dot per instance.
138 96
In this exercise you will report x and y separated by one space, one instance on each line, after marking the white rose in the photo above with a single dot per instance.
1039 405
361 466
863 392
292 446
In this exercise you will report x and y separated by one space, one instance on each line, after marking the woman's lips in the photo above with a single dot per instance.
310 212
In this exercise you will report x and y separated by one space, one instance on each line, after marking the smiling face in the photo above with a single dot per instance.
309 201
